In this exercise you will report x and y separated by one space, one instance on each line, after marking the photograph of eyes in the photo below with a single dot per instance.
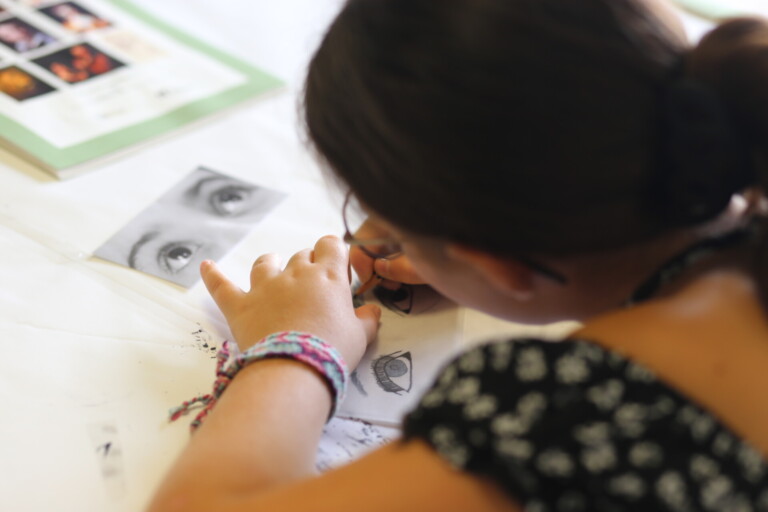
202 217
224 197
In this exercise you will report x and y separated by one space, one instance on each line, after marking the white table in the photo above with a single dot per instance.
93 355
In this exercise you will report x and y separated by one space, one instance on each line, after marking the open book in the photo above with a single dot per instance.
84 80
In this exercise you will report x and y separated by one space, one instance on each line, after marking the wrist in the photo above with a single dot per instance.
298 347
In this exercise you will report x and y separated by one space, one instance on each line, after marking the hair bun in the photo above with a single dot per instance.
706 161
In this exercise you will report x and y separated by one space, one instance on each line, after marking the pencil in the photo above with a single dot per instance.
370 283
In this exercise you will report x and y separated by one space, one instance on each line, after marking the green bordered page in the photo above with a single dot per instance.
720 9
83 80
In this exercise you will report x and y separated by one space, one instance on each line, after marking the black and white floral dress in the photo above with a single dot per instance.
571 426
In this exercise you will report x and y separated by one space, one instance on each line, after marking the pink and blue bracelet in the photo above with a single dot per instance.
299 346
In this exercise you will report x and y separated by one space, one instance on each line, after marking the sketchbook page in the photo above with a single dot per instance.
402 362
95 76
346 440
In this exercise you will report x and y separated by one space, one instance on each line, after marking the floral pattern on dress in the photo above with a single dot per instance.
571 426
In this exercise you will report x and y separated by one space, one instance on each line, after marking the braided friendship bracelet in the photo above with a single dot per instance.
298 346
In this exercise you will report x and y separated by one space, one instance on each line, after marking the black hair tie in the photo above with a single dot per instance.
705 159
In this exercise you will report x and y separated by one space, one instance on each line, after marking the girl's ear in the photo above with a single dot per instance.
506 275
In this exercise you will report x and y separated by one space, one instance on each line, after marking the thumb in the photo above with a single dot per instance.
399 270
369 315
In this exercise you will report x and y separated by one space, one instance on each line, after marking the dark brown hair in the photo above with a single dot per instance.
536 126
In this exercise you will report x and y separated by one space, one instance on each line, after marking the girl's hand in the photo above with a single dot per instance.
311 294
393 271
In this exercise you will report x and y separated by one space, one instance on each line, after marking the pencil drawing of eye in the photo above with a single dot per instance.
175 256
399 300
394 372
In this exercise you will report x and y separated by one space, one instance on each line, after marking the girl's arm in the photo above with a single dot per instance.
256 450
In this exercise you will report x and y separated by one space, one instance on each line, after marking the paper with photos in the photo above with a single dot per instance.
82 79
200 218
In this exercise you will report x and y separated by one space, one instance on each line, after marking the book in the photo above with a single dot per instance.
85 80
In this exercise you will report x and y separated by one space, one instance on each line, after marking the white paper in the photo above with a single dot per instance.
402 363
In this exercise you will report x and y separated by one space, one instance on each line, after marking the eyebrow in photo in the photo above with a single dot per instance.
228 197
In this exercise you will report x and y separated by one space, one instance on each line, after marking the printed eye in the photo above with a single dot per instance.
393 372
230 200
175 256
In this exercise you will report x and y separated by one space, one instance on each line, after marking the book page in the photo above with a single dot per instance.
81 79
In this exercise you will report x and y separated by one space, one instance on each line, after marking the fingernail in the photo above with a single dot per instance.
381 266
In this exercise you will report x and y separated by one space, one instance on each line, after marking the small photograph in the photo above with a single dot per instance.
202 217
78 63
20 85
20 36
74 17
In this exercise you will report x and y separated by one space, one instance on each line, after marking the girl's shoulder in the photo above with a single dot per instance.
577 419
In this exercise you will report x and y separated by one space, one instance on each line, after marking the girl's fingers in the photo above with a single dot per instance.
369 315
266 265
302 257
362 263
398 269
331 250
222 290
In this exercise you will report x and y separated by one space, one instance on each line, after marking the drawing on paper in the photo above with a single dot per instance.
409 299
355 379
394 372
345 440
399 300
200 218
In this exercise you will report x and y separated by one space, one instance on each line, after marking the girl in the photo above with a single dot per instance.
539 160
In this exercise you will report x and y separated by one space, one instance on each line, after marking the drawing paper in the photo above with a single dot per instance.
404 360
